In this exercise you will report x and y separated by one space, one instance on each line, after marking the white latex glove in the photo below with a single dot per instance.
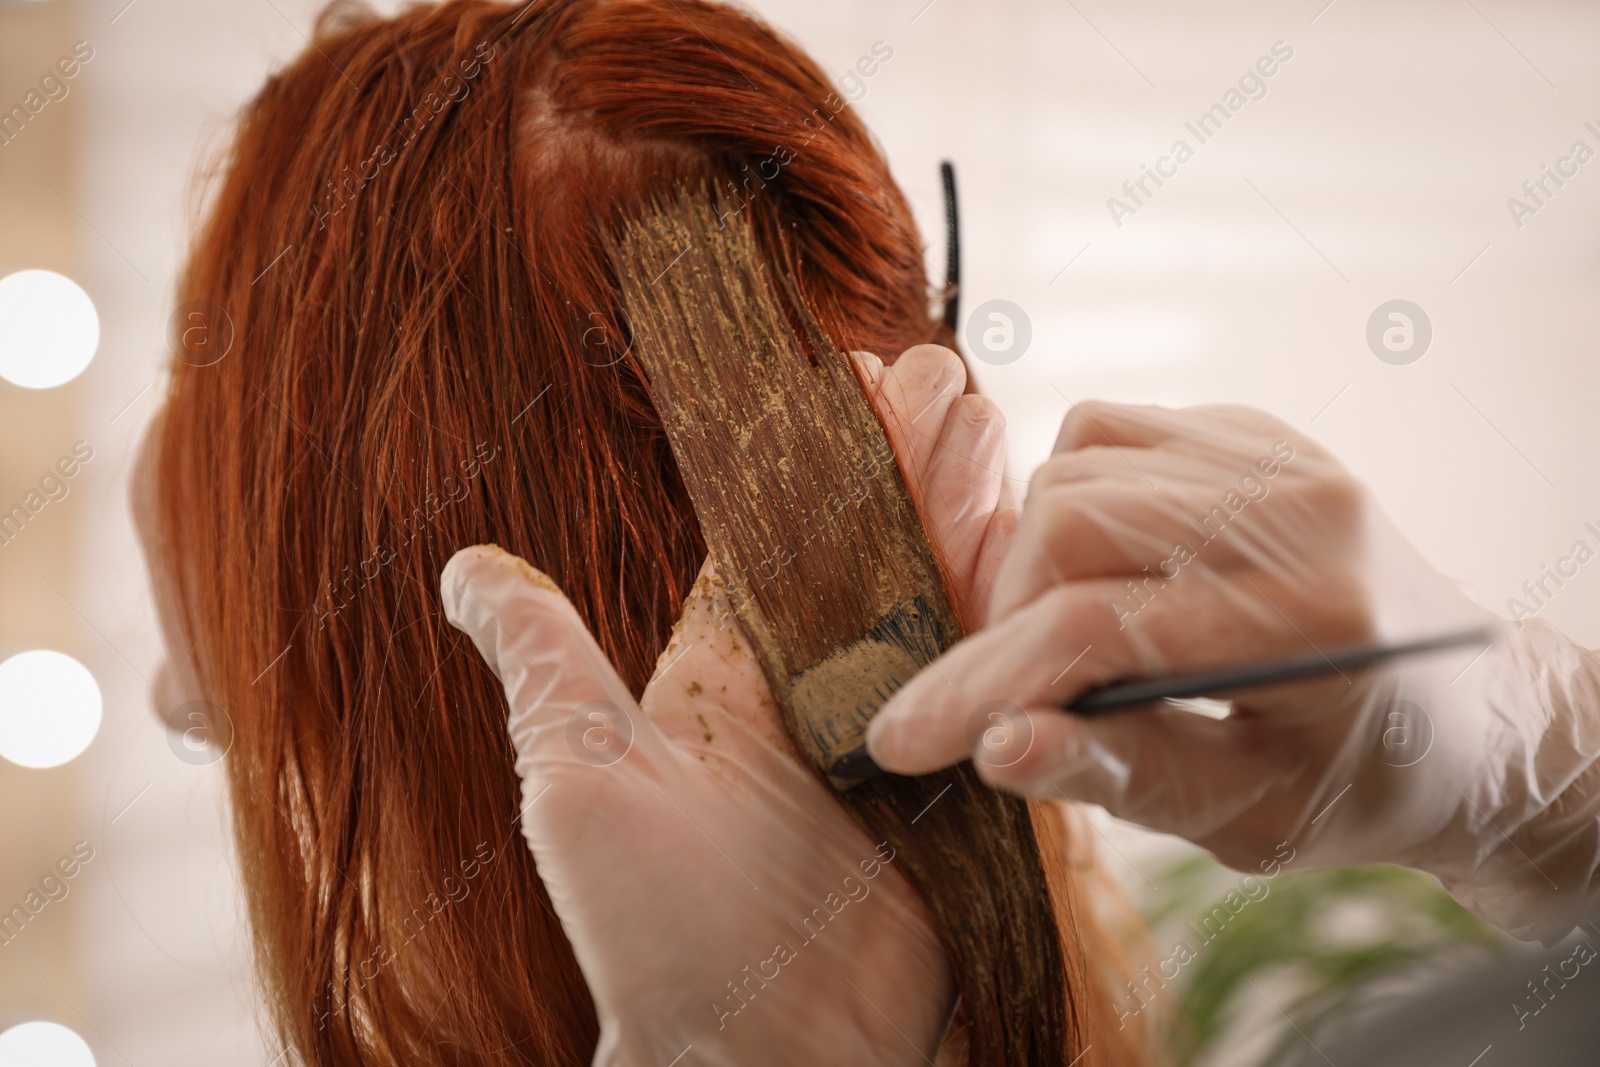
1158 541
716 894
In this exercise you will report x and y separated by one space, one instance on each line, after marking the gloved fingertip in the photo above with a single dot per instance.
483 584
871 366
457 580
1063 761
467 569
897 737
932 369
981 411
884 739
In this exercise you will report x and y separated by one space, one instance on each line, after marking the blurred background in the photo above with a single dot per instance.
1376 164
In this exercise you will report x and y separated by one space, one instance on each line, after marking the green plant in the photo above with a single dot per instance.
1331 933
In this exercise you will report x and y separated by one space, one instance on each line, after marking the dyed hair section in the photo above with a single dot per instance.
771 429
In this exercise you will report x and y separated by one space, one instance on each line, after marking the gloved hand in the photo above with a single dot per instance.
715 893
1158 541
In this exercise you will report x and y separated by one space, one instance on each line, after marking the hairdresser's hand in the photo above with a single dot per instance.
714 891
1158 541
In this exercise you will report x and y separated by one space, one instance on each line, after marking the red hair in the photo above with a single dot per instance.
407 238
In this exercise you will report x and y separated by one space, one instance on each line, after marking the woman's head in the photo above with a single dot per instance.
406 246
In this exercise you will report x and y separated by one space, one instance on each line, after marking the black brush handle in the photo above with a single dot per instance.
1124 695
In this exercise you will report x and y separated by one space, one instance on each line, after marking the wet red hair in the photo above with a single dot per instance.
406 244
